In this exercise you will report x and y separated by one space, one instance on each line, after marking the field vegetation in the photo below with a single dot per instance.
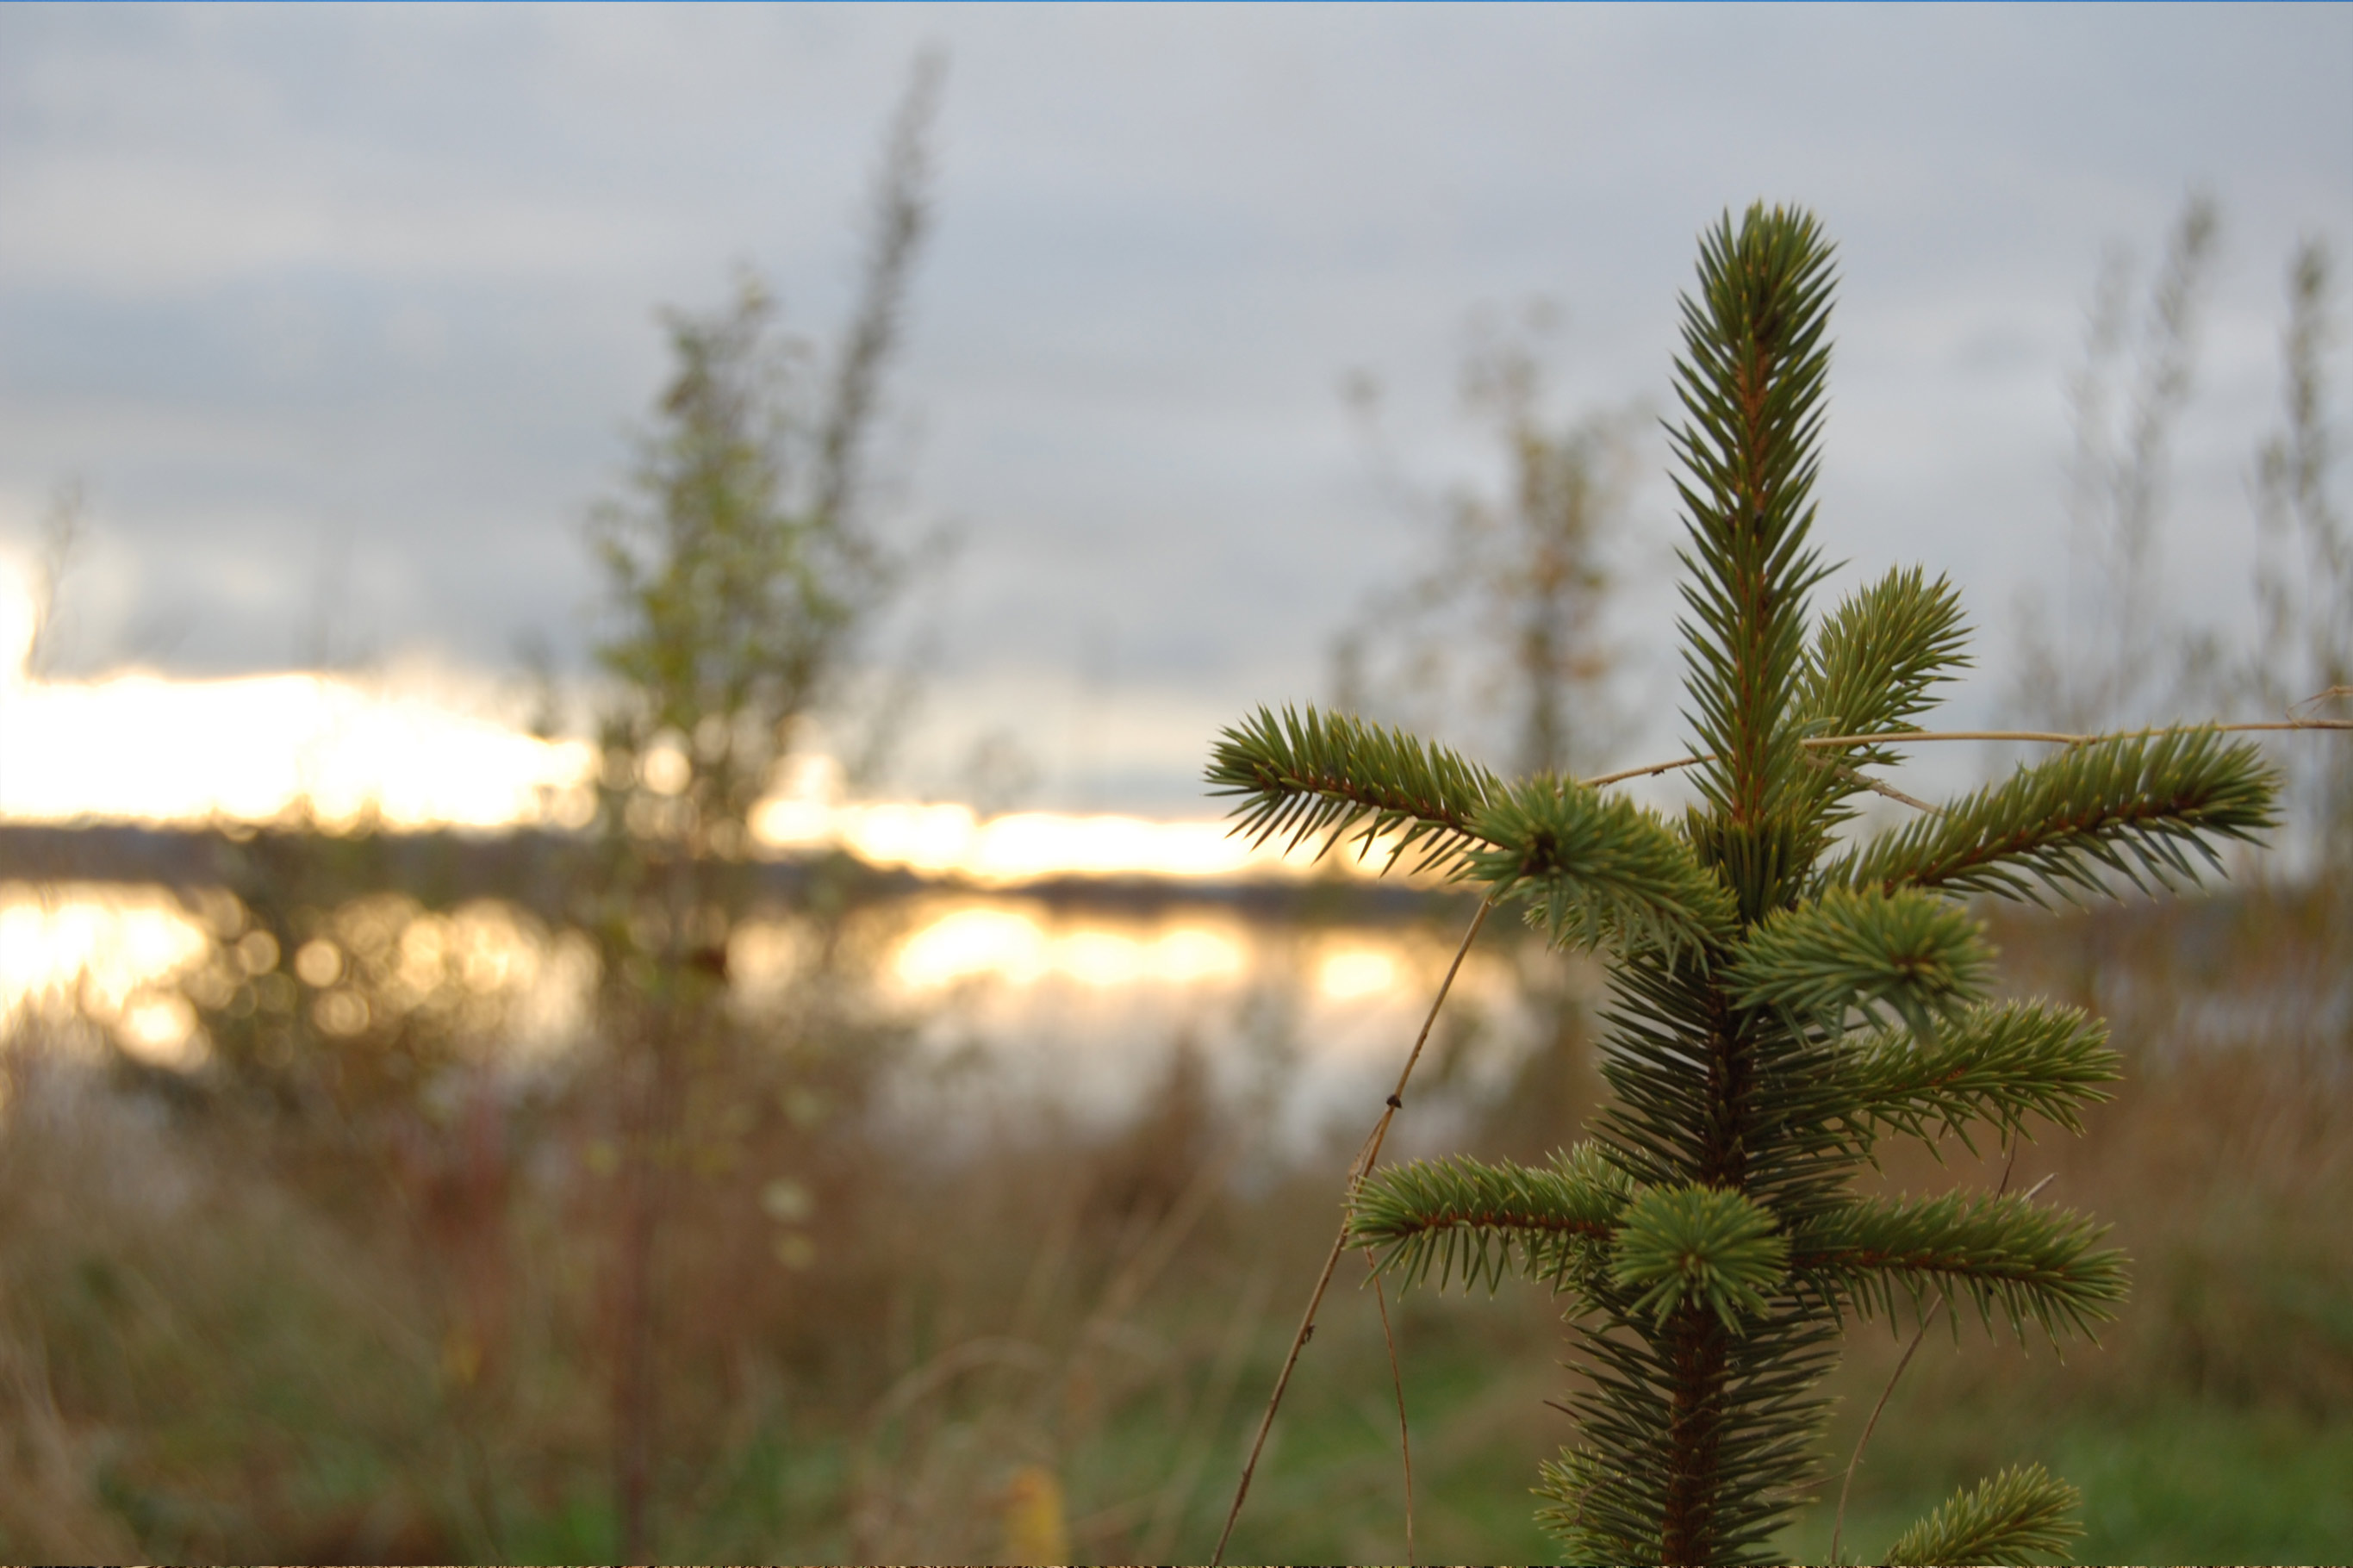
1024 1338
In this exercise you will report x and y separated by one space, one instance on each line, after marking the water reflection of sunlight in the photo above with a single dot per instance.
1079 1007
953 840
131 959
1352 971
106 953
1019 949
414 749
1016 945
117 955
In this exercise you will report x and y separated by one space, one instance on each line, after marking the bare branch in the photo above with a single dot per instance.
2050 737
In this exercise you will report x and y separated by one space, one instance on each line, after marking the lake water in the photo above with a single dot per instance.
1079 1007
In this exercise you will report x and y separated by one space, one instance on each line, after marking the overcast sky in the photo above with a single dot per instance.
347 312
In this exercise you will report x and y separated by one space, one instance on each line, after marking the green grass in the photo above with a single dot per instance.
2173 1482
1330 1488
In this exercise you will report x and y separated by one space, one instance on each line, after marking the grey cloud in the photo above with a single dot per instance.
296 285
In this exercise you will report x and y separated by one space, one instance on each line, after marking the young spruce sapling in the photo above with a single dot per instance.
1780 1000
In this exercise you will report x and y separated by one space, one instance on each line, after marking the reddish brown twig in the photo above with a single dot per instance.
1909 736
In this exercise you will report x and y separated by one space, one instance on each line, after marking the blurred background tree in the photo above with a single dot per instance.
2122 650
1499 639
2114 658
2304 573
746 574
367 1048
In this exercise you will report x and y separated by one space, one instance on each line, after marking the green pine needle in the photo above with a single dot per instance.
1997 1064
1909 951
1708 1235
2021 1514
1482 1222
2004 1254
1699 1244
1304 775
1880 653
1585 1513
1751 379
1596 868
2137 806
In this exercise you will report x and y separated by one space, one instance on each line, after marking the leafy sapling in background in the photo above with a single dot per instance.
746 576
1780 1001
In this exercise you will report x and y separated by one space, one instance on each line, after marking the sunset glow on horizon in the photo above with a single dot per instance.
138 748
410 749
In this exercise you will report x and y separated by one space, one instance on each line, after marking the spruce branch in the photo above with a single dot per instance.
1483 1222
2020 1512
1701 1247
1584 1513
1595 868
1871 668
2029 1262
1909 951
2138 805
1880 654
1997 1064
1303 774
